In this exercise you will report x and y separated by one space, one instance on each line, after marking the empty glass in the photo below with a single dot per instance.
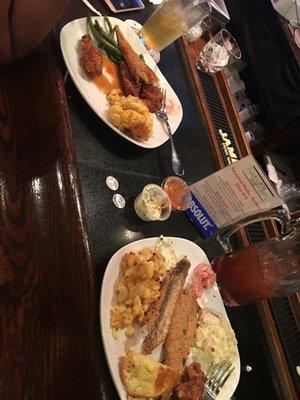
197 31
219 51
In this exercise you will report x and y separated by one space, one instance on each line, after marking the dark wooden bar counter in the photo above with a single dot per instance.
58 226
48 333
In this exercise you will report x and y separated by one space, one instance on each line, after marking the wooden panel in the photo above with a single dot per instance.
48 347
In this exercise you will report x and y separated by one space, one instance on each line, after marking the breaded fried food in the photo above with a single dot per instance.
91 60
139 69
160 328
181 332
144 377
129 85
152 96
192 384
182 329
153 311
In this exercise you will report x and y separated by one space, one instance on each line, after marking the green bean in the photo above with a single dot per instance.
105 35
108 23
114 58
102 42
109 47
93 30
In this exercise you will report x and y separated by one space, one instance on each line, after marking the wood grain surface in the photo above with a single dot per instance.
48 332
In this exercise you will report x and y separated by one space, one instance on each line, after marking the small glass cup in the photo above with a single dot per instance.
197 30
218 53
153 204
179 193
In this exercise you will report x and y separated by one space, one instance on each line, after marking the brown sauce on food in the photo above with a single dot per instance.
110 78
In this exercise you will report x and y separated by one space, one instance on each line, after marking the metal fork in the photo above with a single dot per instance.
163 117
216 379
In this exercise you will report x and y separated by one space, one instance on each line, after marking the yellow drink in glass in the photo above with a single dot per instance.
171 20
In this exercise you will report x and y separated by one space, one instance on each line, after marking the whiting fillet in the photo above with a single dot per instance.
182 331
138 68
165 306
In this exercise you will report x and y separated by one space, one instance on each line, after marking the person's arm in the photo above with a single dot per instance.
25 23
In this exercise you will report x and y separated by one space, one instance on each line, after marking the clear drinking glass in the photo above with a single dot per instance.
261 271
197 31
219 51
171 20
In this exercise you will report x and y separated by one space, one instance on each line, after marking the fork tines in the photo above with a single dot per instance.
218 376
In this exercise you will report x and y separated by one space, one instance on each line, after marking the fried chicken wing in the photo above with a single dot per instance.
192 384
91 60
152 96
129 85
139 69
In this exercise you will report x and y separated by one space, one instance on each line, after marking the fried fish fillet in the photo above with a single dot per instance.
159 329
139 69
153 311
181 332
182 329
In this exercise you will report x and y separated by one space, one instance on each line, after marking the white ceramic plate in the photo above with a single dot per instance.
69 39
115 348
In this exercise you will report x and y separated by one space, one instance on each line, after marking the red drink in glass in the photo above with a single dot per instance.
179 193
247 275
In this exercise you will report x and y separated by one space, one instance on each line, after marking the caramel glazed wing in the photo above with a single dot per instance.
139 69
160 315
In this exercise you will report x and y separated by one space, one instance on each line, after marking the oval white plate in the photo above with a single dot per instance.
115 348
70 36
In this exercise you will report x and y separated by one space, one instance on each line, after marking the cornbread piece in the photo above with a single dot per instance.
144 377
